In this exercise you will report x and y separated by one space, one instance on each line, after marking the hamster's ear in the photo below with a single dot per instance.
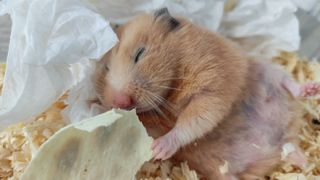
163 16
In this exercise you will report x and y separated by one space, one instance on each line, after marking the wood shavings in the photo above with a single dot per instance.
188 174
303 71
292 176
19 142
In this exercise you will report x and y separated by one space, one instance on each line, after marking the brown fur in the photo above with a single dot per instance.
192 85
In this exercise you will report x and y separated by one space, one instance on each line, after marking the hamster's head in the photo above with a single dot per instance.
139 71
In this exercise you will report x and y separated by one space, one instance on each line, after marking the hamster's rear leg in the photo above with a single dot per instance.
259 169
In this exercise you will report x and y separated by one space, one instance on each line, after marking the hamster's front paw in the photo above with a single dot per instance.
165 146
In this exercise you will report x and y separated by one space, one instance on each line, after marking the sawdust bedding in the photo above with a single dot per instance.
20 142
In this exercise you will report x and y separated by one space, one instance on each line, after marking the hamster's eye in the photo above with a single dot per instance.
139 54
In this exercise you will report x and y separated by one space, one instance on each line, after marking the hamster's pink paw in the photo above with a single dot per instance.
165 146
310 89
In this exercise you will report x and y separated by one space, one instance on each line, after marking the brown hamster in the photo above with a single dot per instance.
190 85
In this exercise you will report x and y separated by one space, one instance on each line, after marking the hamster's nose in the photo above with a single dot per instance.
123 101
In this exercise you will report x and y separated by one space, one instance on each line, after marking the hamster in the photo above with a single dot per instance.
200 97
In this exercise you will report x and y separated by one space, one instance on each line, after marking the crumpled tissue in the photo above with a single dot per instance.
54 43
263 27
50 40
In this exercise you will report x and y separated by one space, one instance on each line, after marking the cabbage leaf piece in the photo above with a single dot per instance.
112 145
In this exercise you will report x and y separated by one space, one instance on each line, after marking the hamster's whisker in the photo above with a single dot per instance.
152 111
168 87
163 102
160 99
151 102
156 107
163 80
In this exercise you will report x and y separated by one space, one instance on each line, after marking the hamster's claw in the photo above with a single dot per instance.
165 146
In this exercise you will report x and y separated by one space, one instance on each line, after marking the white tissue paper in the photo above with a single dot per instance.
50 40
263 27
207 13
307 5
53 41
